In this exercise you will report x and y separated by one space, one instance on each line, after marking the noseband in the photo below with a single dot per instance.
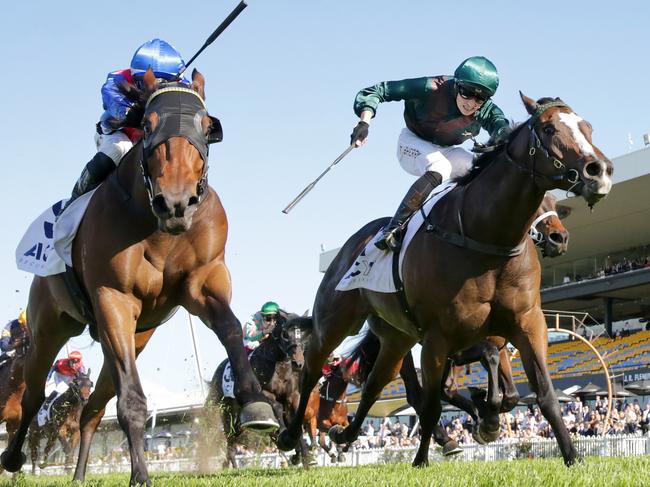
536 235
181 112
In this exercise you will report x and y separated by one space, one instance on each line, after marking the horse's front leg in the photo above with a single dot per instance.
208 296
506 383
394 345
93 411
489 427
335 317
531 338
116 326
433 360
52 435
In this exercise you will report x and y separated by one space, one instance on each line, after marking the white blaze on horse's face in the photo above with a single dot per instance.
572 121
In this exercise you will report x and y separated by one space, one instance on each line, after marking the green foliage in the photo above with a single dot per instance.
594 472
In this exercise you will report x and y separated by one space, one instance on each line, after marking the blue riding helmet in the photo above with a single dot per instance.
165 61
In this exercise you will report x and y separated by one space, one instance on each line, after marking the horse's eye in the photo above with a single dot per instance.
549 129
146 126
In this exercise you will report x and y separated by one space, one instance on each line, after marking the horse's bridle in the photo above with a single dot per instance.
183 119
536 235
535 146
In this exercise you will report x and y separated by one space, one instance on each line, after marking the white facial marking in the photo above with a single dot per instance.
572 120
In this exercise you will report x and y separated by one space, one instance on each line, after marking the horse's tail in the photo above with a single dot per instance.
363 356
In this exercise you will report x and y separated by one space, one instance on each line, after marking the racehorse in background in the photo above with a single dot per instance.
328 406
470 272
277 363
63 422
152 239
12 387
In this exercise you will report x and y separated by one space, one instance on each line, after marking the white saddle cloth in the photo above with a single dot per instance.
46 247
373 269
228 382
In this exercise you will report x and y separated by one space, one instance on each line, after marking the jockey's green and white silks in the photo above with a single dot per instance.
180 114
430 109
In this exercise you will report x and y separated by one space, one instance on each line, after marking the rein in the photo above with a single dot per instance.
535 146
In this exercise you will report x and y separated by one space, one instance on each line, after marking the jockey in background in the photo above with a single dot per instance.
58 380
440 112
262 324
13 336
116 131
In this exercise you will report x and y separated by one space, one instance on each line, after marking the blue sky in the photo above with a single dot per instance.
282 79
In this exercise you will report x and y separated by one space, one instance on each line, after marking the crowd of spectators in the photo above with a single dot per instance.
624 265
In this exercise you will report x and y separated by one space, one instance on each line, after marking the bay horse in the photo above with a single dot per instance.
277 363
327 407
152 239
12 387
63 423
551 236
470 272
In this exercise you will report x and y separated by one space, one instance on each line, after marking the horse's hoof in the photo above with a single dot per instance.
477 436
341 458
286 442
332 458
12 463
417 463
337 434
487 434
451 448
258 416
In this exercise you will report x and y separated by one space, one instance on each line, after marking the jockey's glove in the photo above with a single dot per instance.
360 132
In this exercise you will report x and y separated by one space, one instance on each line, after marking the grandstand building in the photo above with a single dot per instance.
600 287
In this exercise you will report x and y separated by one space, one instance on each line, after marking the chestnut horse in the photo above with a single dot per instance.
152 239
327 407
470 272
63 423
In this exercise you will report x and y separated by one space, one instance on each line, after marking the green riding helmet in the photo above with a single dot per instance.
270 308
479 73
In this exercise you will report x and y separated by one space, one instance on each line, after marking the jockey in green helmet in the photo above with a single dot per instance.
441 112
262 324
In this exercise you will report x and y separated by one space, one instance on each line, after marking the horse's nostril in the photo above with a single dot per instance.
194 200
160 205
594 169
557 238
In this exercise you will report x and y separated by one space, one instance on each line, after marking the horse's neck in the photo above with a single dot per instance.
499 206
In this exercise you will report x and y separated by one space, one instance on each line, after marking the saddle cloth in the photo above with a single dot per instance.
372 269
46 247
228 382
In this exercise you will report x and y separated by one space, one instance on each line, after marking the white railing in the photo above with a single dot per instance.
609 446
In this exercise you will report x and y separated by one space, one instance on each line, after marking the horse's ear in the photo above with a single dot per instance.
306 313
149 80
529 103
88 372
198 83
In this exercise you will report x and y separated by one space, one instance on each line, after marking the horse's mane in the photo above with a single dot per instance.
487 158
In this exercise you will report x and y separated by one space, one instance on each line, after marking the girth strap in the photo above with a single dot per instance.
401 296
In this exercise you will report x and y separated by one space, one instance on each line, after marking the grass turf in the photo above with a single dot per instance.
609 472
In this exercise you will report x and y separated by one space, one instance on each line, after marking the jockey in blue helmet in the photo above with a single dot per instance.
113 137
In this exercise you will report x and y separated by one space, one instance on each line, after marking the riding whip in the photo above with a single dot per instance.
311 185
227 21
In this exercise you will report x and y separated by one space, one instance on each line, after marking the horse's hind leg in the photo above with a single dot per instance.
50 330
93 411
51 439
532 341
335 317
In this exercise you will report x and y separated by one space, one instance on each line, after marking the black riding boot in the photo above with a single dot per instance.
391 237
92 175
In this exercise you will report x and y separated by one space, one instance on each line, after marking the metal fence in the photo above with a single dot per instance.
609 446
